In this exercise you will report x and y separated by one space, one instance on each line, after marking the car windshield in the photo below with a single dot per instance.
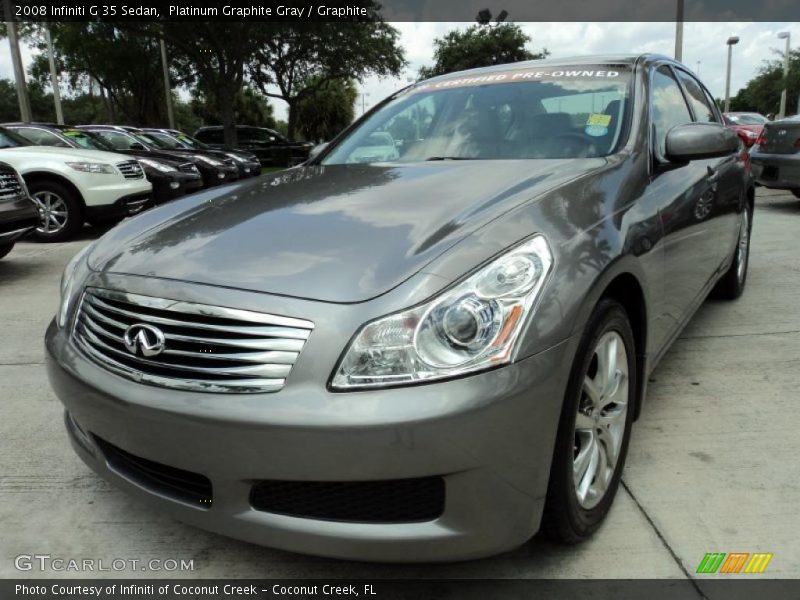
162 140
9 139
191 142
523 113
87 140
747 119
148 139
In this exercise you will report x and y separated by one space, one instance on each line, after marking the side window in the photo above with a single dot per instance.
41 137
697 98
668 106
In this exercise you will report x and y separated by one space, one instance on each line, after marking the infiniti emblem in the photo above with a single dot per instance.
144 340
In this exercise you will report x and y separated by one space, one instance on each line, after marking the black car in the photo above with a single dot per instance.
171 178
271 148
247 162
125 140
18 213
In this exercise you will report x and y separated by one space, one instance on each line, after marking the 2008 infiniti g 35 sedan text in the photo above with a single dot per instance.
429 357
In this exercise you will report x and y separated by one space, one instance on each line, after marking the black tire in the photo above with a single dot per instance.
731 286
5 249
565 519
40 191
796 192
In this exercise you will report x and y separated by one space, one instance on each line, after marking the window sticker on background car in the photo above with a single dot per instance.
597 125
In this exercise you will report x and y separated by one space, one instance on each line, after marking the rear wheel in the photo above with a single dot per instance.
595 427
732 283
5 249
60 211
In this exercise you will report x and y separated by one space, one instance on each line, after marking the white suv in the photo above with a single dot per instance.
73 186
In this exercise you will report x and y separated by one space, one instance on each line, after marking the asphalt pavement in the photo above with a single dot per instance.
712 464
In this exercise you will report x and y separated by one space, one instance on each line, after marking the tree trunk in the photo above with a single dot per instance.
226 98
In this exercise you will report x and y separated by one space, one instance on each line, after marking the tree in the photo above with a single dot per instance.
479 46
296 60
252 108
124 66
763 93
325 112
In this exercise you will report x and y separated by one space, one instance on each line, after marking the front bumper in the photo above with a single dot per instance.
175 185
17 218
114 192
489 436
124 207
780 171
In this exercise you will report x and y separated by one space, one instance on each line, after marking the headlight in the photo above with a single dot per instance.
471 327
210 161
164 168
90 167
68 283
235 157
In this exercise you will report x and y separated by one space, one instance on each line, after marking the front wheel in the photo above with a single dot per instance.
595 427
60 212
732 283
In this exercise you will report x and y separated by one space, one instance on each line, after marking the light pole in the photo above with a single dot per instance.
784 35
54 76
16 62
679 31
167 88
732 41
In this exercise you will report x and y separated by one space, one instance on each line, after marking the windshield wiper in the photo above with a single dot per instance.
451 158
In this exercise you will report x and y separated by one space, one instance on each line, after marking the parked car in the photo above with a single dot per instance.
378 147
18 213
427 359
247 162
747 124
170 178
271 148
71 186
128 140
776 155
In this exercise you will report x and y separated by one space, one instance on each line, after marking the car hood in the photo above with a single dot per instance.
341 233
70 153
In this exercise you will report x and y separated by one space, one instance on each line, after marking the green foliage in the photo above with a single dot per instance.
78 109
252 108
763 93
480 46
291 55
327 110
125 65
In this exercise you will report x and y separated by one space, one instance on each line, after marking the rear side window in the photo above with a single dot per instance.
698 99
668 106
40 137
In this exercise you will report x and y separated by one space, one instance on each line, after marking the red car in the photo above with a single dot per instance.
747 124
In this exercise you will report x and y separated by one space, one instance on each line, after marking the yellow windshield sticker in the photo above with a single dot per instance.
599 120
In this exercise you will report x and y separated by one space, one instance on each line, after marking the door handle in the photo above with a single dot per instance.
713 176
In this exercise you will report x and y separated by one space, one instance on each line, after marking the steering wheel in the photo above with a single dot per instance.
575 145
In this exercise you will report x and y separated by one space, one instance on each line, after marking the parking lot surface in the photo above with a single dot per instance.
712 464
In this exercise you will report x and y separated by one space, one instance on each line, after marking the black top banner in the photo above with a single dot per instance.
404 10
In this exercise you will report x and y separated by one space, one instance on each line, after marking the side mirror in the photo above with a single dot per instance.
695 141
137 146
317 149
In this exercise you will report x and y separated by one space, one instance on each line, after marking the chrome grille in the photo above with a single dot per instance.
206 348
130 169
10 185
188 168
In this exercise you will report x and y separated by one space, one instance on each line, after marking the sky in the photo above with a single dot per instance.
703 42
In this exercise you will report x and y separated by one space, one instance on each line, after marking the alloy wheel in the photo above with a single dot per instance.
53 212
601 418
744 246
